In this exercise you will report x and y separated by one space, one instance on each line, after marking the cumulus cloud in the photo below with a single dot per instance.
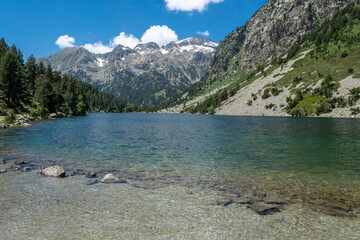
97 48
162 35
127 40
206 33
189 5
65 41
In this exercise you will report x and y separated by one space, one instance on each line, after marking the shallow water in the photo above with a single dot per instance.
177 168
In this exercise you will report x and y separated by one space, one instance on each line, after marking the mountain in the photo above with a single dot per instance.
293 57
146 75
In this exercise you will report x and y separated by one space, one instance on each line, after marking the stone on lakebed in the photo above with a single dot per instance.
53 171
110 178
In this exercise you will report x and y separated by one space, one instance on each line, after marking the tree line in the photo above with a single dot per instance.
31 87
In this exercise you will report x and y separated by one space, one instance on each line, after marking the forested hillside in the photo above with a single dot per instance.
39 90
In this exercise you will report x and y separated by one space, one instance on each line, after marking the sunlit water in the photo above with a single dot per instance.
177 168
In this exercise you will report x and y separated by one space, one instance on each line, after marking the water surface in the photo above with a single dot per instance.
178 167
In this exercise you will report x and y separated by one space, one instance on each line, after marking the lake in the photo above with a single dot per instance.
188 177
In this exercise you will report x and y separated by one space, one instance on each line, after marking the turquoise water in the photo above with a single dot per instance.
313 161
322 147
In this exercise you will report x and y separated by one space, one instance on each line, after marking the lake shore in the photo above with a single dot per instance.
24 120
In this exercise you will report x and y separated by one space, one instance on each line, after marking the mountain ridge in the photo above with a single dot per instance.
146 74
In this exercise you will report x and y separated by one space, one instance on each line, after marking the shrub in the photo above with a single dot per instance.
249 103
10 118
39 112
275 91
254 97
323 107
297 79
266 94
211 110
344 54
351 70
270 106
355 111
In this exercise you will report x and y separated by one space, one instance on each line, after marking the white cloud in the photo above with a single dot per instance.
162 35
206 33
97 48
65 41
127 40
189 5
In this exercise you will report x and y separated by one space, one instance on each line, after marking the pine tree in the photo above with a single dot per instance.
49 73
11 78
30 74
81 106
44 95
3 47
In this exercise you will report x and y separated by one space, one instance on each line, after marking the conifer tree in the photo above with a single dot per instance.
30 74
11 78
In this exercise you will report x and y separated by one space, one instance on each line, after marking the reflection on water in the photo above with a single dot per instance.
195 160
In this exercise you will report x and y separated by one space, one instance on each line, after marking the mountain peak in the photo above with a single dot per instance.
149 45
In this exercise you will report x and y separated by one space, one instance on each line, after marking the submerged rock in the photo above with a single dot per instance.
109 178
54 171
26 169
224 202
90 175
264 210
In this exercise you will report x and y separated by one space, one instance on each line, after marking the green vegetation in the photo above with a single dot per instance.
38 90
334 53
10 117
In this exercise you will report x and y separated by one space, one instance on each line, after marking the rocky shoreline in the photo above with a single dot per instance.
263 196
24 120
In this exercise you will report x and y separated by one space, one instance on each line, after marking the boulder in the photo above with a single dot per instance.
54 171
108 178
53 116
61 114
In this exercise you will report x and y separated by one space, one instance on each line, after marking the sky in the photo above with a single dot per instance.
45 27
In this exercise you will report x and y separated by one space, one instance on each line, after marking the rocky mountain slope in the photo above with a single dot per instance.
145 75
292 57
271 31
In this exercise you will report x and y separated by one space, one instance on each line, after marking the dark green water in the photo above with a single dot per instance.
189 160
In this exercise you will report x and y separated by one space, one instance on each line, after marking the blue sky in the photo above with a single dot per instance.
35 25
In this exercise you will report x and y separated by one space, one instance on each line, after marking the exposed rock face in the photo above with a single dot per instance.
54 171
146 74
270 32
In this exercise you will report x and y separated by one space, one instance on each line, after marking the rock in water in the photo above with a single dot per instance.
108 178
54 171
264 210
91 175
2 161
